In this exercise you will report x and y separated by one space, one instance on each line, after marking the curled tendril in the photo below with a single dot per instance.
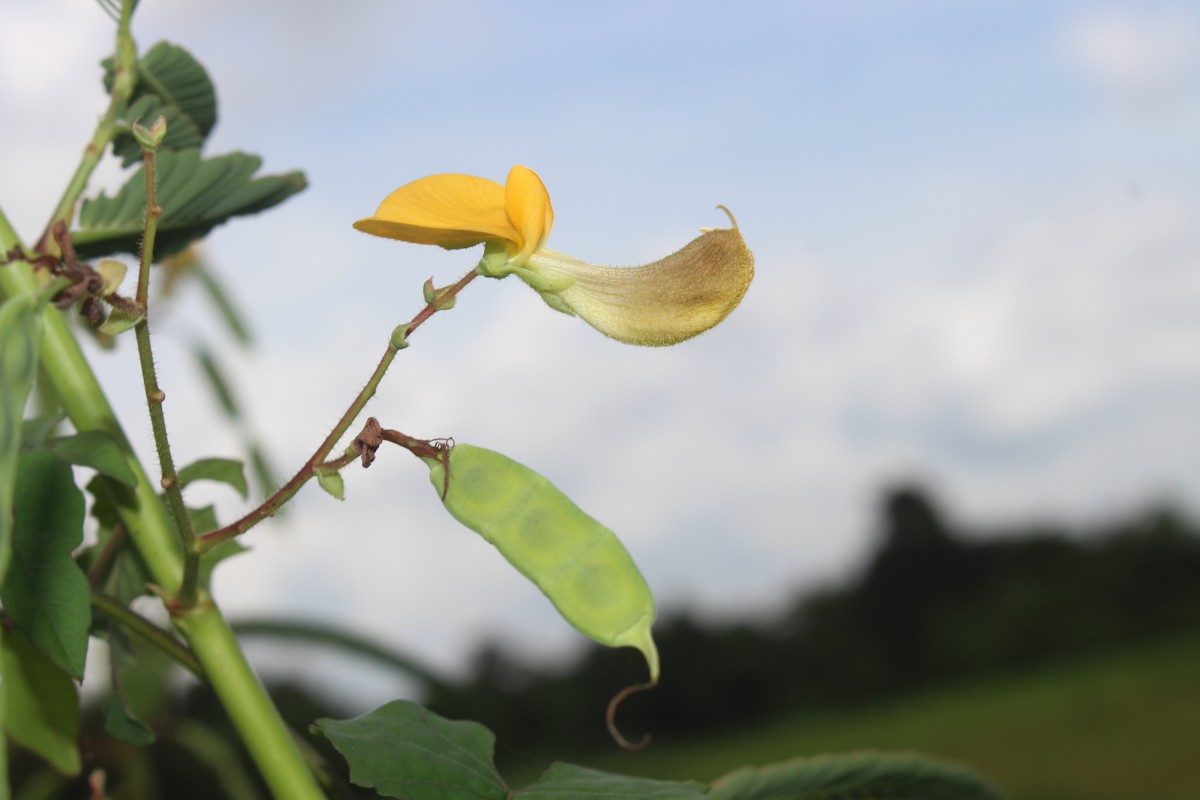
610 717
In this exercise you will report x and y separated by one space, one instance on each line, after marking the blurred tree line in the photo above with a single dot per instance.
933 603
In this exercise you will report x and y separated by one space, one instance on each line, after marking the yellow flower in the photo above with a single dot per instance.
660 303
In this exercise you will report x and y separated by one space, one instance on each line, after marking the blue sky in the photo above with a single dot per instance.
978 265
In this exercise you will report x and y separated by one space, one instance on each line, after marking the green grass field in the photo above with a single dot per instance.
1120 727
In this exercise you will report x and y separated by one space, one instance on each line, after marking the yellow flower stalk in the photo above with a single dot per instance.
660 303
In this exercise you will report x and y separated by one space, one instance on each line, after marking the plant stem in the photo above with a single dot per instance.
137 624
246 701
155 397
272 504
125 75
146 520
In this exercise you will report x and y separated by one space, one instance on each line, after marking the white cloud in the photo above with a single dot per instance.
1141 51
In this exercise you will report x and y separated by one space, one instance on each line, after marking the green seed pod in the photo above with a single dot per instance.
577 562
20 333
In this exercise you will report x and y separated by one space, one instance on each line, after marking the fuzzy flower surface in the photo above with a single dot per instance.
660 303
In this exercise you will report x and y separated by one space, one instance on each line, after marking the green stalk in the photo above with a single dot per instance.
124 80
135 623
4 783
142 511
155 397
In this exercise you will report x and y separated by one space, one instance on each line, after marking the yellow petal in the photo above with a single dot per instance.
451 210
528 206
661 303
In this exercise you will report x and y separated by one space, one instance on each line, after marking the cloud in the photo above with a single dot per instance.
988 311
1142 52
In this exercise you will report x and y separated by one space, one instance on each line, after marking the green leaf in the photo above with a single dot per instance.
403 750
120 319
20 335
205 520
223 470
220 755
336 637
229 312
128 575
42 709
264 473
332 483
879 776
217 381
569 782
95 449
37 430
173 84
196 195
139 684
45 592
121 723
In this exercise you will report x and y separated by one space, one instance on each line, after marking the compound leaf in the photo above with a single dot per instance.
879 776
173 84
570 782
195 194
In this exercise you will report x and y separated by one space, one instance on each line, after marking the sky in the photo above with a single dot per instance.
977 254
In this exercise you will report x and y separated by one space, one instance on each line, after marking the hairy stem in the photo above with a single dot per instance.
288 490
155 397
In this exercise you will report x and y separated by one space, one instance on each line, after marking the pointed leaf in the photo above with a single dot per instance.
205 520
121 723
20 335
879 776
171 83
230 314
41 706
127 576
223 470
45 592
217 381
332 483
36 430
95 449
210 560
336 637
196 195
569 782
403 750
264 473
140 688
120 319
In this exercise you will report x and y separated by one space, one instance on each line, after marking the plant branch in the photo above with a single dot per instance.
317 459
139 625
125 76
155 396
